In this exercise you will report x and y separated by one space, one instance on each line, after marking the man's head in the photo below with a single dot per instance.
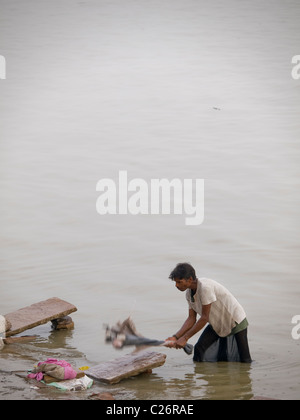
184 275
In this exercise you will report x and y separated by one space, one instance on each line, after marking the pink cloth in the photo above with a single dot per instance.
38 376
70 373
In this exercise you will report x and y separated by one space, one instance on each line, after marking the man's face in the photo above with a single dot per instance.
183 284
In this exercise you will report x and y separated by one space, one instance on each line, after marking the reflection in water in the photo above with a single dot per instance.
220 380
17 359
224 380
170 90
192 381
55 345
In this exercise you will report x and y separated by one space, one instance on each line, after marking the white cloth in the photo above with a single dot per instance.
2 330
2 324
225 311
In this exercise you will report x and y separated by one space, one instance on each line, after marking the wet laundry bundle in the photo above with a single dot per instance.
125 334
57 369
60 374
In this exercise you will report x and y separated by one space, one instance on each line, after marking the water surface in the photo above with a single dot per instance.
166 89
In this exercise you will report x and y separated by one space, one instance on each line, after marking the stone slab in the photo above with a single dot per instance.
112 372
38 314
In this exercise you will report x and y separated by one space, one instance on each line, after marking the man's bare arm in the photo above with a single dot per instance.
196 327
188 324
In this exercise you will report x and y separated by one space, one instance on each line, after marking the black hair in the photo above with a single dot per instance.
183 271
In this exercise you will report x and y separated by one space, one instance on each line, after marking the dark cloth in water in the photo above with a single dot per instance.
125 334
213 348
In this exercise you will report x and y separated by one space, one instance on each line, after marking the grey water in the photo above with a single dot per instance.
162 89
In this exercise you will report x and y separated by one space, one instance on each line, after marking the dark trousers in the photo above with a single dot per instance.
212 347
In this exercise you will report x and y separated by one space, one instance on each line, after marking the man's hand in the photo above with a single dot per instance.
179 344
170 342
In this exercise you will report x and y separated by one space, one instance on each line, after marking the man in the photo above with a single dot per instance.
225 337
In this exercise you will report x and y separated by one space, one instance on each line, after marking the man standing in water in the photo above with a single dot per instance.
225 337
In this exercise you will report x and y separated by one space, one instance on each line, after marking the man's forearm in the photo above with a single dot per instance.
196 327
185 327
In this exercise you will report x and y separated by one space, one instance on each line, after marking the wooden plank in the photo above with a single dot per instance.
38 314
124 367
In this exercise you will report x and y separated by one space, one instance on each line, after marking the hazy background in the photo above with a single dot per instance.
162 89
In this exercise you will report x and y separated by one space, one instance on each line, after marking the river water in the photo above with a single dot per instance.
160 89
